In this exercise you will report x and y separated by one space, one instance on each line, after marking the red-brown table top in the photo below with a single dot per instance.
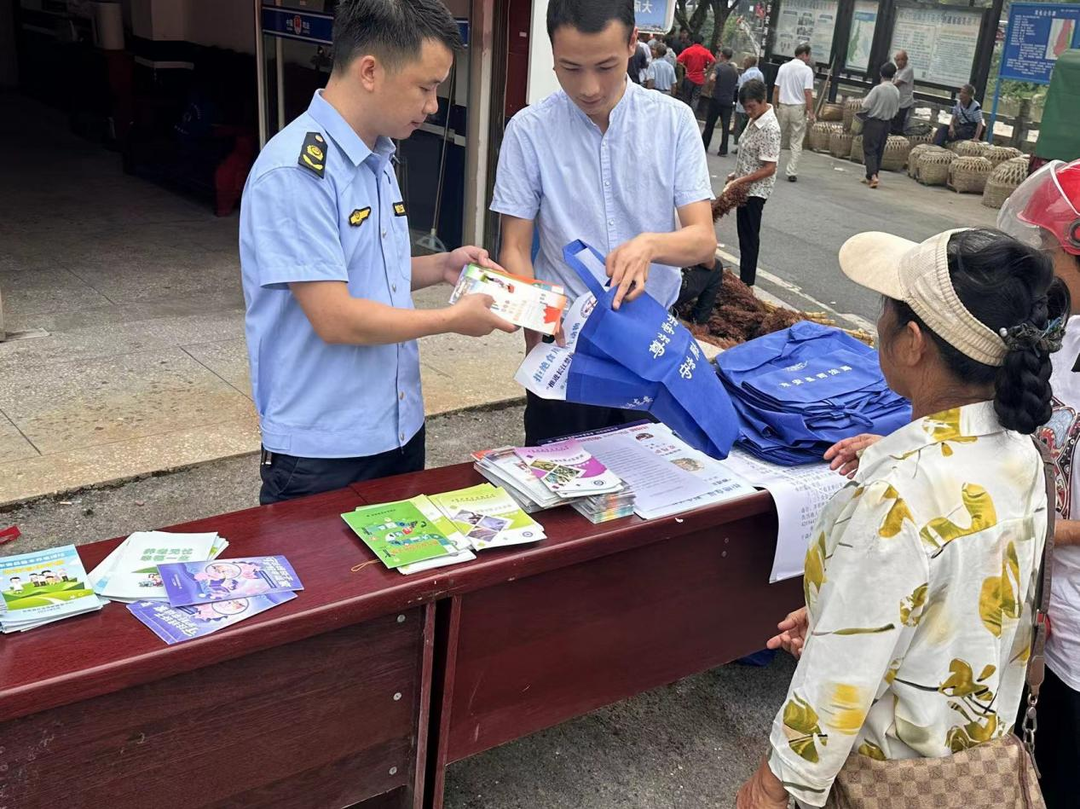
110 650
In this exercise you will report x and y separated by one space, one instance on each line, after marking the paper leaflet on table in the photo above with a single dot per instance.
488 516
567 469
800 493
43 586
177 624
129 573
666 475
524 302
191 583
399 533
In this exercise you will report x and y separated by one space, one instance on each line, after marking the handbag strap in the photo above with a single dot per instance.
578 256
1036 670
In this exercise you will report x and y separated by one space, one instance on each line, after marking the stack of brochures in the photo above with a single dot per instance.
444 529
130 572
42 587
207 596
525 302
661 474
557 474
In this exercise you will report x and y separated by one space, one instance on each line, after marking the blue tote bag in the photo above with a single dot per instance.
639 357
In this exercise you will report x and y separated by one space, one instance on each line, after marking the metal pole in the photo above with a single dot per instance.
260 72
279 61
993 112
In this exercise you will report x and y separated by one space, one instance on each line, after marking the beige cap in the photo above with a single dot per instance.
918 275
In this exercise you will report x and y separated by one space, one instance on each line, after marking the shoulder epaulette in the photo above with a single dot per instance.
313 154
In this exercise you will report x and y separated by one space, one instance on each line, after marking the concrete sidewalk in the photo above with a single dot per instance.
128 353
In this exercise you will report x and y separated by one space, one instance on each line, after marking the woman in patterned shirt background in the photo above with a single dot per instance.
921 573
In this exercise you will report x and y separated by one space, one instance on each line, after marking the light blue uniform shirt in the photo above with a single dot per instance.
556 168
317 400
745 76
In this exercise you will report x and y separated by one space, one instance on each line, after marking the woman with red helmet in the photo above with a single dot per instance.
1045 212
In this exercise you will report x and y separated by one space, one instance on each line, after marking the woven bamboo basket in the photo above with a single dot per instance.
820 134
933 168
916 152
968 148
851 106
968 175
831 112
857 150
896 153
999 154
1003 181
840 144
916 140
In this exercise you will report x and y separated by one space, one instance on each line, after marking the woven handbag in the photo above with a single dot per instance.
998 774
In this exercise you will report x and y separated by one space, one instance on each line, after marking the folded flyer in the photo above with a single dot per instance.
569 470
177 624
130 572
43 586
189 583
525 302
399 533
488 516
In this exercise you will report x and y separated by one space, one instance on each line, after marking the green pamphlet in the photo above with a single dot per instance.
398 533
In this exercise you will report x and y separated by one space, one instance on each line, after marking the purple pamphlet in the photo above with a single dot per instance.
177 624
193 583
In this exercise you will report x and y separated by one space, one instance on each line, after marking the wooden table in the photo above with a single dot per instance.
328 700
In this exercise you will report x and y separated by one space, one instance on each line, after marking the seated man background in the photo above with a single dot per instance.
967 119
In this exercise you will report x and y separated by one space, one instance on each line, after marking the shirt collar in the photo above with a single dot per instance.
618 112
959 425
345 136
763 119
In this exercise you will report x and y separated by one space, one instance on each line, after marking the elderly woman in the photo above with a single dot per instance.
921 573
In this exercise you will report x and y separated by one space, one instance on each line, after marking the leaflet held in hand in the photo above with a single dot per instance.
524 302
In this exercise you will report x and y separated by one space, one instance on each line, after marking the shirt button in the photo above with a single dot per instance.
611 221
402 436
384 234
393 287
607 183
401 396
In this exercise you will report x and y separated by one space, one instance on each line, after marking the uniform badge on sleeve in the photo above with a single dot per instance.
359 216
399 209
313 154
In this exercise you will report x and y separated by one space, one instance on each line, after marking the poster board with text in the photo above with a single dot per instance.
941 42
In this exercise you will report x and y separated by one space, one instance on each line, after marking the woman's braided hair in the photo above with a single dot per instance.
1010 288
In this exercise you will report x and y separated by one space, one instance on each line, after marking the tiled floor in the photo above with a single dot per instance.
143 365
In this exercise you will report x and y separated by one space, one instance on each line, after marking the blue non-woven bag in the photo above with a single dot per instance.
799 390
658 366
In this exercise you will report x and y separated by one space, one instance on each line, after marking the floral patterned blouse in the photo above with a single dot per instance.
919 585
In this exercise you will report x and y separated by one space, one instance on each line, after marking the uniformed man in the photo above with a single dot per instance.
327 267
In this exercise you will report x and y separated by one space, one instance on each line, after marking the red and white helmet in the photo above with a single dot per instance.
1047 202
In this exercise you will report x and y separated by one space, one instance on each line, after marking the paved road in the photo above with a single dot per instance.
806 222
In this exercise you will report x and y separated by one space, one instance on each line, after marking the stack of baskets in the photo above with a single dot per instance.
896 153
968 175
840 143
933 167
1004 180
851 106
820 134
916 152
999 154
969 148
856 150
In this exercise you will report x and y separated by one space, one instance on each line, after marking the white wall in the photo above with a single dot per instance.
542 81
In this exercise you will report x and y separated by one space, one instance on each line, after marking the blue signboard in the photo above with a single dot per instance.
307 26
312 26
654 15
1037 34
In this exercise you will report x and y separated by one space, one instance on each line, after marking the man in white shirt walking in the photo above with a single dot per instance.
793 98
